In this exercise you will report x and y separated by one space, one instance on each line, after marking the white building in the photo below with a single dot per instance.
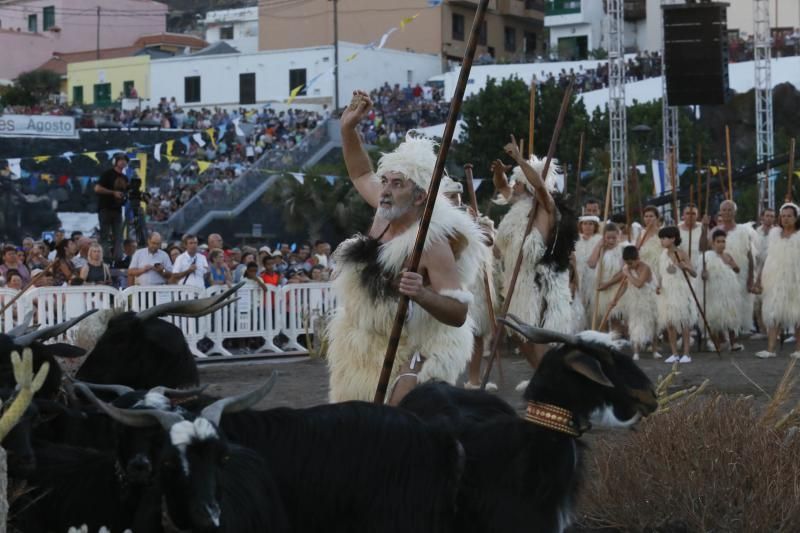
576 27
270 76
237 27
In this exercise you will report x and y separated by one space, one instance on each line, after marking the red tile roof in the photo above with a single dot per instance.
170 39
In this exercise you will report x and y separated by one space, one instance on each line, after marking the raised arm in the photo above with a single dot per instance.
359 167
542 194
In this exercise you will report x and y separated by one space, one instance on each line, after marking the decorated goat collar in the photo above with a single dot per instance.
552 417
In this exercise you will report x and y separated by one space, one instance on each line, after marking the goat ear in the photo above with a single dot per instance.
589 367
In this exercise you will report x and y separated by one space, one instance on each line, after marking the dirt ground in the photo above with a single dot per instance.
303 381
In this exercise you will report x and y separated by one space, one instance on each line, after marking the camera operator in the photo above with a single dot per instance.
111 192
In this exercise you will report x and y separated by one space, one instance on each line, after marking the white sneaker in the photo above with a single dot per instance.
737 347
685 358
672 359
636 357
757 337
656 355
764 354
522 386
490 386
710 346
789 340
795 354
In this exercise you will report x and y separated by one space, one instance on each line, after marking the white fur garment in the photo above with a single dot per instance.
611 265
721 304
781 281
741 241
676 307
638 308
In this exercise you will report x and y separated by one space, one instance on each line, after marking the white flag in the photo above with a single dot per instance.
157 151
198 138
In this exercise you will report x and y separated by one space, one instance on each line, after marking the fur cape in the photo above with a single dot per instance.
638 308
587 276
612 264
721 293
780 278
650 250
542 296
360 327
675 304
479 310
741 241
695 252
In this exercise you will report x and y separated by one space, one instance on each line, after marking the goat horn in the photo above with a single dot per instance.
214 412
189 308
50 331
178 393
536 335
22 329
133 417
119 390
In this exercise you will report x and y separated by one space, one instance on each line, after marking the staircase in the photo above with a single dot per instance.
216 201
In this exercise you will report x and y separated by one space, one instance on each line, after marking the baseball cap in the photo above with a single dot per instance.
265 249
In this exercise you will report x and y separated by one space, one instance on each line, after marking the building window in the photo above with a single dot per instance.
458 27
297 77
102 94
127 88
77 94
33 24
48 18
191 89
530 42
483 36
510 39
247 88
226 33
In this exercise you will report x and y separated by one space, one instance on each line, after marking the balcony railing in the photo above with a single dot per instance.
562 7
635 10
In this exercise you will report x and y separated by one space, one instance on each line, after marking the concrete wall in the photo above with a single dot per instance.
740 14
113 71
219 75
121 23
245 27
589 22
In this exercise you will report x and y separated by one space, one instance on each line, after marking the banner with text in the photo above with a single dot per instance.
43 126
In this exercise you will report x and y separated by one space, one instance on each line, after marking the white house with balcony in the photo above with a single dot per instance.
236 27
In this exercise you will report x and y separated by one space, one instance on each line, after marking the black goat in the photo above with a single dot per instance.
19 338
142 351
523 474
352 467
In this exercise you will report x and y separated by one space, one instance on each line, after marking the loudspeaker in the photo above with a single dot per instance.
696 53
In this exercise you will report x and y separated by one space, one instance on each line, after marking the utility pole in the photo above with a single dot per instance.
336 54
98 32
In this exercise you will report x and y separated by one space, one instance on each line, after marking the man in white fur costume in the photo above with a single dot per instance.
542 295
741 244
693 238
370 274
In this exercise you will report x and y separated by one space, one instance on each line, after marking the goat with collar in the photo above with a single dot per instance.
524 474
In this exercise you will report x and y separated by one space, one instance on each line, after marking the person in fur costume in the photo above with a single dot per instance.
721 292
779 281
589 226
370 274
606 260
675 310
741 244
542 294
648 243
479 310
637 301
692 234
767 223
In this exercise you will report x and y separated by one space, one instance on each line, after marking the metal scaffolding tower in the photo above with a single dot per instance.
616 103
669 119
763 90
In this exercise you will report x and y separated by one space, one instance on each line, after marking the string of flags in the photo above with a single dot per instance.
374 45
301 177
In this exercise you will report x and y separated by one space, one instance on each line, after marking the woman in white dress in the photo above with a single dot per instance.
779 281
676 308
720 290
637 301
606 260
648 243
589 227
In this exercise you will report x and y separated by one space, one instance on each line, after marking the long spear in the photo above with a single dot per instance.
702 252
698 167
789 191
691 230
697 303
673 182
578 175
473 202
599 280
433 190
531 217
728 157
531 117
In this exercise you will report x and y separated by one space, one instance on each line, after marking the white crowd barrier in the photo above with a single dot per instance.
289 311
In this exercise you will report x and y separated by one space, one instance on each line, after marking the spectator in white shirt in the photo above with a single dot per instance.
190 267
151 265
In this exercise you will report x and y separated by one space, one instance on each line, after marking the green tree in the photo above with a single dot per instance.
33 87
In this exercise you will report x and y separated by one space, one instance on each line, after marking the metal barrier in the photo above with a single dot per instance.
270 314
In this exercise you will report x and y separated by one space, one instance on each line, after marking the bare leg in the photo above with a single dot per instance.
772 339
672 336
405 381
475 362
687 341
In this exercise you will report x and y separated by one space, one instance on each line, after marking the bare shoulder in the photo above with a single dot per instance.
439 255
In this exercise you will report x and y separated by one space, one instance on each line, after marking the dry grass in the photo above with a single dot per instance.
715 463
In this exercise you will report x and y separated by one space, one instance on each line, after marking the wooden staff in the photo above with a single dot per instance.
673 182
33 280
728 156
612 304
789 191
522 148
578 176
628 228
638 190
473 202
531 217
433 190
697 303
691 230
698 171
607 205
532 116
708 190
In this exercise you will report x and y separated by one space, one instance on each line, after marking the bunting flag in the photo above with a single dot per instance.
382 40
68 156
641 169
157 152
330 179
170 145
172 158
198 138
92 156
294 93
477 183
14 167
239 131
41 158
110 153
202 166
210 133
221 131
407 21
714 170
47 178
797 173
298 176
351 57
185 142
84 181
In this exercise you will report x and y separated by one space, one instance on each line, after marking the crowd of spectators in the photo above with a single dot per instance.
784 44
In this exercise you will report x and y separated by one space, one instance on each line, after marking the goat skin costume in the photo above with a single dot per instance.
638 307
675 303
722 294
587 276
367 304
612 265
780 278
479 309
740 241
